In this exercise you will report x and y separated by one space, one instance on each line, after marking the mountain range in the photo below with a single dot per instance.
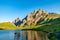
37 20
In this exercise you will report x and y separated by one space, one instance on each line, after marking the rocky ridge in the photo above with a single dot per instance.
35 17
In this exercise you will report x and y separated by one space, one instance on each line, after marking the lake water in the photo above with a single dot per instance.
22 35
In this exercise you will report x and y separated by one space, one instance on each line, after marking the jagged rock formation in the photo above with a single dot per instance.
34 17
17 21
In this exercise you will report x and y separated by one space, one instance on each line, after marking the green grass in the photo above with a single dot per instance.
51 23
7 26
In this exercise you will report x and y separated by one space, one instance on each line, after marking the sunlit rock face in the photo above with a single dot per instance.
35 17
31 35
23 22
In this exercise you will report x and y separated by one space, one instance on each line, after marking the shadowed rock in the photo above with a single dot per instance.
17 21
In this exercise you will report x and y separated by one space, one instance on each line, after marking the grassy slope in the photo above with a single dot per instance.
7 25
51 23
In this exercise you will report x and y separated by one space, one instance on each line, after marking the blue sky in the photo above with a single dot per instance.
11 9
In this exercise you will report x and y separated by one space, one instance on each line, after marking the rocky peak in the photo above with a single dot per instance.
34 11
17 21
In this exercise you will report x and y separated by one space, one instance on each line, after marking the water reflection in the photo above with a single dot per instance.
30 35
17 35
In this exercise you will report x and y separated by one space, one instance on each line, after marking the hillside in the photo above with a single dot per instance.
50 24
7 26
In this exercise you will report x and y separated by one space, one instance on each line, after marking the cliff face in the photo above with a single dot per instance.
34 17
